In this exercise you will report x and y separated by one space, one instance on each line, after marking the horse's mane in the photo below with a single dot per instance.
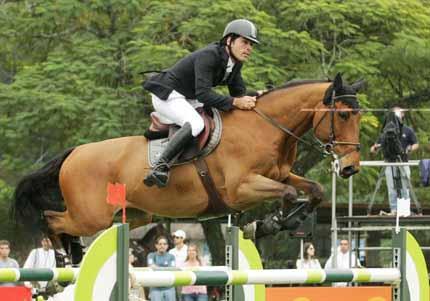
299 82
294 83
351 102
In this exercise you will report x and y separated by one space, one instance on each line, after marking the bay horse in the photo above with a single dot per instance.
251 164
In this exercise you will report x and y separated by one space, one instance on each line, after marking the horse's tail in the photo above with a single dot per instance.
36 192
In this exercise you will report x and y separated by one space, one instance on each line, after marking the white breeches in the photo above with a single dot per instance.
178 110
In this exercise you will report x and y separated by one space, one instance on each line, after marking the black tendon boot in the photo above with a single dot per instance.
159 175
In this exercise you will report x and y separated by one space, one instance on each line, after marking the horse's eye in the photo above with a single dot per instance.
344 115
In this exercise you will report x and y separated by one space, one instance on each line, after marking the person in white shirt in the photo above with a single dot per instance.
43 257
180 250
309 261
344 260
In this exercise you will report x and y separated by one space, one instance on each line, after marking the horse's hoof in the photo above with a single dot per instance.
249 230
290 195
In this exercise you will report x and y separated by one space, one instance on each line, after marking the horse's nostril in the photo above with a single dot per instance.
348 171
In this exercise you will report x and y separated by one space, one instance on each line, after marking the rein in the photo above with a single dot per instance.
325 149
318 147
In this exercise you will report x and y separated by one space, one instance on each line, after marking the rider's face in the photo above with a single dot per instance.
241 48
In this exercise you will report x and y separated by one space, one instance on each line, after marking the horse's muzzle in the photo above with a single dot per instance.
348 171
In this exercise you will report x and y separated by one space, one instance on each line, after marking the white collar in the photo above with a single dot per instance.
230 65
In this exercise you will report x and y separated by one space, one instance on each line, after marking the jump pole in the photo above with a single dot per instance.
103 275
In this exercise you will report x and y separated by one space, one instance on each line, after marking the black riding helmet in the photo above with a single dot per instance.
243 28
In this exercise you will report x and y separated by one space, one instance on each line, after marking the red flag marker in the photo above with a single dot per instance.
116 194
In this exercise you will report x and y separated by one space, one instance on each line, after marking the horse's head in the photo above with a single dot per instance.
337 124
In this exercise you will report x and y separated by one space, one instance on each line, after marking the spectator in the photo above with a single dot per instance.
409 144
136 292
309 261
6 261
161 258
180 252
180 248
43 257
194 292
344 260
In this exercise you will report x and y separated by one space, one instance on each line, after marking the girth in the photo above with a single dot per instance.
216 205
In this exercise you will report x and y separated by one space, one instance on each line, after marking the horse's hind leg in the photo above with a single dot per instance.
83 182
57 222
86 214
60 222
71 224
63 222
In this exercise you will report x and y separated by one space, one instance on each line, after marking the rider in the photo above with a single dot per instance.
179 90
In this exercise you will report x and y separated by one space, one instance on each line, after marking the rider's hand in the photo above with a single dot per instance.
260 92
245 102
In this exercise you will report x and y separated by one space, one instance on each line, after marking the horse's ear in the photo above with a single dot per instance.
359 85
337 82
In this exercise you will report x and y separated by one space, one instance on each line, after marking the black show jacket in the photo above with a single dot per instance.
196 74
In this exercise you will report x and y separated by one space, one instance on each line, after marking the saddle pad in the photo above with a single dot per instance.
156 147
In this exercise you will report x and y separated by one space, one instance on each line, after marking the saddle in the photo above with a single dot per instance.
159 133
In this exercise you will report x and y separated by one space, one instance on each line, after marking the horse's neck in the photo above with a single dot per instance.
293 107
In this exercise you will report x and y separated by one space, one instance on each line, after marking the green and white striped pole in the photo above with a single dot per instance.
264 277
20 275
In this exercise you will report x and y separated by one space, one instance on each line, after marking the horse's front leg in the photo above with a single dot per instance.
313 189
296 213
255 189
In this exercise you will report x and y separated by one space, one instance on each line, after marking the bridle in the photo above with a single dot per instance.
326 149
332 142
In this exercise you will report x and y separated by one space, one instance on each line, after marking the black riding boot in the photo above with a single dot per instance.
159 175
